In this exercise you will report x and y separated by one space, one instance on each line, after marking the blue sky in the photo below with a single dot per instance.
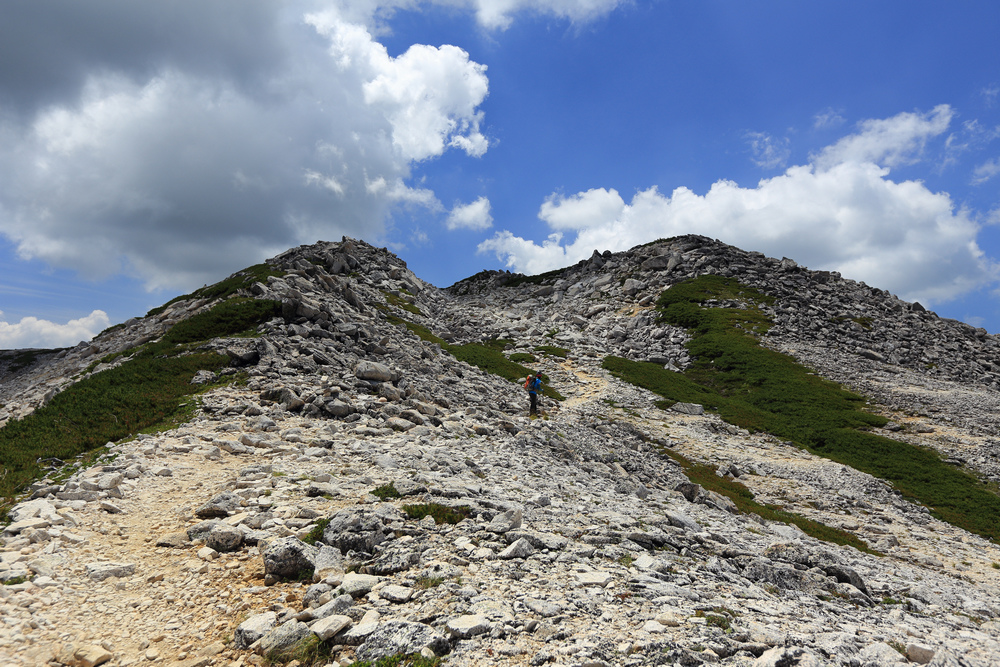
147 149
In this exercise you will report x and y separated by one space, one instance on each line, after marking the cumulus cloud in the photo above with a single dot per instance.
768 152
847 216
475 215
36 333
583 210
176 158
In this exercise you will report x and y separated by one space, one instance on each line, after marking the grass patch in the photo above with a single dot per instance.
309 652
425 583
226 319
105 407
385 491
523 358
553 350
487 356
441 513
225 288
422 332
493 361
762 390
400 302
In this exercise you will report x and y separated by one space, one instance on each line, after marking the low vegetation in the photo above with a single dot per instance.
225 288
761 390
743 498
385 492
487 355
553 350
440 513
147 392
231 317
105 407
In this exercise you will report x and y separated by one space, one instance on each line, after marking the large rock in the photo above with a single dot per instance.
224 538
372 370
394 637
219 506
288 558
284 636
355 529
254 628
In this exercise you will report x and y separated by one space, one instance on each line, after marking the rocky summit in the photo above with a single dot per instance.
354 484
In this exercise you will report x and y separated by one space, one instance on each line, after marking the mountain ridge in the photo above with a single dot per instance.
363 374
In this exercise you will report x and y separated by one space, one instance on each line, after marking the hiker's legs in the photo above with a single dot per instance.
534 403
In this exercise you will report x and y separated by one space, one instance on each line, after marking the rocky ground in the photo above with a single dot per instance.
584 543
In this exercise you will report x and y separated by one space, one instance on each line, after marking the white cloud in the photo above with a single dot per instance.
768 152
177 177
498 14
990 94
583 210
985 171
35 333
890 142
475 215
846 216
828 118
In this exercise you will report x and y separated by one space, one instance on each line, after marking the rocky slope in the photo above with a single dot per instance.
584 544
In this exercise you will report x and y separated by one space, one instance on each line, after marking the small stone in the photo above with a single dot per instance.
520 549
328 627
91 656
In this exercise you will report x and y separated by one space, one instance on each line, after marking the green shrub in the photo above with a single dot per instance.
743 498
761 390
386 491
487 356
400 302
523 358
316 532
441 513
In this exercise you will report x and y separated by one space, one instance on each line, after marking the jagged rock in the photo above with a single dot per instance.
219 506
354 529
224 538
288 558
102 571
284 636
401 637
255 627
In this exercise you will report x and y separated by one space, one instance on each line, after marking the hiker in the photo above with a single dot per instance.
533 384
